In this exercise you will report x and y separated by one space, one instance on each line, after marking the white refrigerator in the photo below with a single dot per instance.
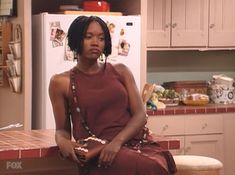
52 55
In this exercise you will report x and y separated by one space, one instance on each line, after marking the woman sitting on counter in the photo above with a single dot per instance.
102 100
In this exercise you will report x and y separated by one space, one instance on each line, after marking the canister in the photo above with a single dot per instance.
221 94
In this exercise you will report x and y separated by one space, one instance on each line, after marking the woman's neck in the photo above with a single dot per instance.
89 68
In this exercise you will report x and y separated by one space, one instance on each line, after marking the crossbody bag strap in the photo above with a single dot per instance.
75 101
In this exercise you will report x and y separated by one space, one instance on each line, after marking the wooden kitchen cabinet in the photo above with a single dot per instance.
177 23
222 23
204 135
229 143
167 125
158 23
171 127
198 134
206 145
190 23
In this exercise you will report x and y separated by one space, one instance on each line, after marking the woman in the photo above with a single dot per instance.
110 104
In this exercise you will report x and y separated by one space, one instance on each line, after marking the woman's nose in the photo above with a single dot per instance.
95 40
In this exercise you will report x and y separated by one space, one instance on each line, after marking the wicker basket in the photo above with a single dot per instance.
188 87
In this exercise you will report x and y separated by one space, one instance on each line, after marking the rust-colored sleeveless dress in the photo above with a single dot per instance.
104 105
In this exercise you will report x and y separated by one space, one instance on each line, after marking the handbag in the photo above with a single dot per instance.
91 146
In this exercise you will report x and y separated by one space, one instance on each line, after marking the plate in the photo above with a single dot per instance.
196 102
170 102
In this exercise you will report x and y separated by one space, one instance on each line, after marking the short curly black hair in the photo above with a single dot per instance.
77 30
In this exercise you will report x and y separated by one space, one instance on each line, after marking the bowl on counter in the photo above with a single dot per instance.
196 99
195 102
170 101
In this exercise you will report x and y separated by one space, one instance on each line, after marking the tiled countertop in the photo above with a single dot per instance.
41 144
27 144
183 110
32 153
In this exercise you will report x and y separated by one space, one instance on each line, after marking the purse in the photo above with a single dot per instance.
91 146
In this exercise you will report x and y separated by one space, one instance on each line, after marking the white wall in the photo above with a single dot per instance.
16 108
189 65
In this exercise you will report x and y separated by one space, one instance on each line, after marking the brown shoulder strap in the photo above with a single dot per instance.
75 101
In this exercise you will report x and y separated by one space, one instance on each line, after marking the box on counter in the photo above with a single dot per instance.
221 94
189 87
221 89
92 5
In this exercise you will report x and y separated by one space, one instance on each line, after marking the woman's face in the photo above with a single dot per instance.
94 41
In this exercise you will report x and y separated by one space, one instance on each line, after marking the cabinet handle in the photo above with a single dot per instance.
167 26
204 125
187 149
211 26
174 25
181 151
165 127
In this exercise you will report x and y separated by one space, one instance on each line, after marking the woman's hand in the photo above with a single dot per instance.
108 154
67 150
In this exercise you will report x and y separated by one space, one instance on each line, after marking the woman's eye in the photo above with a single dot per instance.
98 38
87 36
101 38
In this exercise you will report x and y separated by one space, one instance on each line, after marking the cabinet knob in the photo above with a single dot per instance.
167 26
187 149
181 151
174 25
165 127
204 125
211 26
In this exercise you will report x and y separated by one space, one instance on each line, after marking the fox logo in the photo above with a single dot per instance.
14 165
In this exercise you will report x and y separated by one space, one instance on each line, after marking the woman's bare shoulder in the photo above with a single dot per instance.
60 78
125 72
121 68
60 82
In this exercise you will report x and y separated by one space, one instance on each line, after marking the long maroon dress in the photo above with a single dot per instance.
103 101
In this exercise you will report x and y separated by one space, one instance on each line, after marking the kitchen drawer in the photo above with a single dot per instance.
203 124
166 125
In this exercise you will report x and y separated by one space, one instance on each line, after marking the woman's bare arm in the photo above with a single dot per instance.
138 120
58 91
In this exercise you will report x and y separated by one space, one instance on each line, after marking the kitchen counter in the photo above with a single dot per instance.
183 109
35 152
27 144
32 153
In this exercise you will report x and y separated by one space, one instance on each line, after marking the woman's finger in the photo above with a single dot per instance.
106 159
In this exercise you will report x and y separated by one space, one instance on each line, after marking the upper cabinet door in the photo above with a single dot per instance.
189 23
158 23
222 23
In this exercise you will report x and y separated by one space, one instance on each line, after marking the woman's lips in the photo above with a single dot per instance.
95 51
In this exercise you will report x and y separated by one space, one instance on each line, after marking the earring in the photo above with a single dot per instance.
101 58
76 56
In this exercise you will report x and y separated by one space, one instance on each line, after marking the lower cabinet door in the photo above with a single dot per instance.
205 145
